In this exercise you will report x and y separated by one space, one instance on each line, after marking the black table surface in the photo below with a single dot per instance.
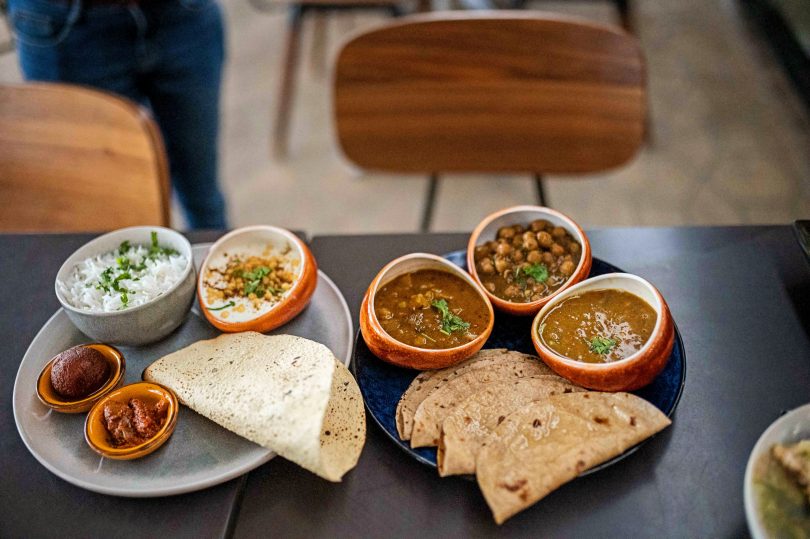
741 299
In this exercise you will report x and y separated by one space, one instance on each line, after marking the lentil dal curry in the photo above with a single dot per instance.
431 309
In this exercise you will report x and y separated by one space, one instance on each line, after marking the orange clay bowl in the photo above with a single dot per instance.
98 438
487 230
630 373
49 397
254 240
393 351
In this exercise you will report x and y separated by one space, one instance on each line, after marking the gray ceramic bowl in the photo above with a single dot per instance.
791 427
141 324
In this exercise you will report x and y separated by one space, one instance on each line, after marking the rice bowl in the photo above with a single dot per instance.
129 287
129 276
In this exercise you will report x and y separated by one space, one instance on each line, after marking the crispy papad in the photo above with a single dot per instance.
427 421
285 393
550 442
466 429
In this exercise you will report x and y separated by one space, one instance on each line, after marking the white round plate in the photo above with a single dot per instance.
200 453
791 427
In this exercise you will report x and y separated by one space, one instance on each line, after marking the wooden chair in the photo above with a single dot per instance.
492 92
76 159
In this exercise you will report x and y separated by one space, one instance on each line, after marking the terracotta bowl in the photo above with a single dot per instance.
393 351
97 436
627 374
253 240
487 231
50 398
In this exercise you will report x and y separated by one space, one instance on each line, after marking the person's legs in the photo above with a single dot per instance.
59 41
183 86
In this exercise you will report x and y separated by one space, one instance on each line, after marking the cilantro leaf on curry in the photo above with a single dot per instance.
451 322
538 272
601 345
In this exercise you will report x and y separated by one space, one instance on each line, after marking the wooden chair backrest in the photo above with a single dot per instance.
490 92
75 159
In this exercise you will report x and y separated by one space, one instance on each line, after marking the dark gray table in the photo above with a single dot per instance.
741 298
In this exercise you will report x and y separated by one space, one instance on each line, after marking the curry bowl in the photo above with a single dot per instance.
256 278
134 325
524 256
636 369
99 438
439 314
50 398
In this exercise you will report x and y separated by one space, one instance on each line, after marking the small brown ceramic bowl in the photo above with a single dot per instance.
387 348
49 397
487 230
632 372
255 240
98 438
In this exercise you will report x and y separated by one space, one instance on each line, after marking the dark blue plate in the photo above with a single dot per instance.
383 384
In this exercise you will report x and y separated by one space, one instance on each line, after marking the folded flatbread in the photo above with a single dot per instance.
426 382
285 393
466 429
427 421
550 442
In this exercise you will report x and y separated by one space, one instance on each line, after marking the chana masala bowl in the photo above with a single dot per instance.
424 312
525 255
613 332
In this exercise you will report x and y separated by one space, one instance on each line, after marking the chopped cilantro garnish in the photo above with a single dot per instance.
110 279
451 322
123 262
229 304
538 272
156 250
254 280
601 345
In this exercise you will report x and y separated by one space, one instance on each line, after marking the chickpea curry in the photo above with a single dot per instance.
599 326
527 263
431 309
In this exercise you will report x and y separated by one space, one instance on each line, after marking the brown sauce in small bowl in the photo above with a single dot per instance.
431 309
599 326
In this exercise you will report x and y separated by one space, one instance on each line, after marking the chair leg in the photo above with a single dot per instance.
285 97
423 6
396 11
541 191
320 28
430 202
626 15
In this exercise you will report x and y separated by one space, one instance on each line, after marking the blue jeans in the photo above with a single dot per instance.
164 54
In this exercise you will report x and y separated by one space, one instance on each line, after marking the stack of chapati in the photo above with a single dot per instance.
285 393
523 430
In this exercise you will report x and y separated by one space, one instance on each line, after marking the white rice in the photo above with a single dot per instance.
82 290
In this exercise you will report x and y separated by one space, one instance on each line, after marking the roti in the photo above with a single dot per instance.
465 430
285 393
550 442
426 382
427 421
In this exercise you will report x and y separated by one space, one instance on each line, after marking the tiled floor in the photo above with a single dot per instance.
731 142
